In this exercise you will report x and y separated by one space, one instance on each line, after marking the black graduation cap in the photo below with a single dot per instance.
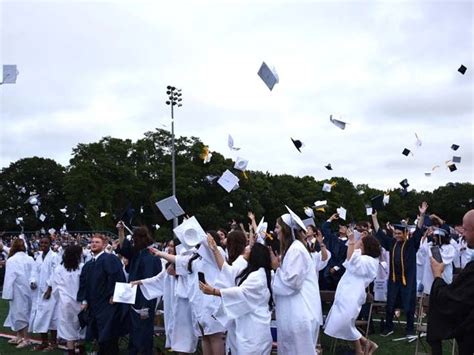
404 183
462 69
456 159
400 227
329 167
377 202
454 147
452 167
406 151
298 144
128 215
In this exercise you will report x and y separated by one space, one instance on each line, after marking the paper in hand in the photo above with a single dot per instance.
124 293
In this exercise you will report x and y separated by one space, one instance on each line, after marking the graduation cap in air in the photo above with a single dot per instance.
452 167
32 200
428 174
211 178
406 151
22 190
230 143
269 76
456 159
19 221
418 141
128 214
360 192
337 123
10 73
454 147
308 211
329 167
298 144
63 210
377 202
404 183
342 212
462 69
241 164
42 217
228 181
327 187
103 214
170 208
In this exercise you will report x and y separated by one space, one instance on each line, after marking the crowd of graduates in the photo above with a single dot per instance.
220 290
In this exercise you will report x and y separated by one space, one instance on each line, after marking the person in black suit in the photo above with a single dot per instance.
451 311
96 289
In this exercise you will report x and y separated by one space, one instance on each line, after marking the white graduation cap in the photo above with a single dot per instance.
141 209
170 208
309 222
207 158
231 204
293 220
337 123
230 143
360 192
386 199
327 187
308 211
51 230
228 181
19 220
10 73
368 211
322 203
157 226
103 214
35 208
42 217
261 228
241 164
124 293
190 232
269 76
23 190
64 210
418 141
33 199
342 212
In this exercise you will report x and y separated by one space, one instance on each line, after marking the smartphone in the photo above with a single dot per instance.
436 254
201 277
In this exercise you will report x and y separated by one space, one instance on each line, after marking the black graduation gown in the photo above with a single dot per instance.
451 310
141 265
97 282
338 249
404 285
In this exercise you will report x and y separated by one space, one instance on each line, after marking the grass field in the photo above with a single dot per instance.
386 345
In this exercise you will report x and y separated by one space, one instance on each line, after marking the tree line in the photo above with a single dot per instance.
124 179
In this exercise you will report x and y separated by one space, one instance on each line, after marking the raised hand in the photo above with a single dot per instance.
275 259
211 242
251 215
423 208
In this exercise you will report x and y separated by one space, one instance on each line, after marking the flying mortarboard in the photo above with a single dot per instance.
42 217
10 74
462 69
452 167
308 211
342 212
329 167
230 143
406 152
454 147
368 210
337 123
298 144
269 76
377 202
327 187
228 181
103 214
190 232
404 183
241 164
170 208
456 159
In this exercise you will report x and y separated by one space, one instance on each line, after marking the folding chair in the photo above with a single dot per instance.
421 328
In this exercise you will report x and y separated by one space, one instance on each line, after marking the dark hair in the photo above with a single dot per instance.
72 257
141 238
17 245
371 246
222 230
259 257
215 236
287 239
236 243
363 224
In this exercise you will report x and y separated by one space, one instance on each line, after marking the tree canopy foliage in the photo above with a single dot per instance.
116 176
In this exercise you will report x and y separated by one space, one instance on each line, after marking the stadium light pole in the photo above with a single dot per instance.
174 99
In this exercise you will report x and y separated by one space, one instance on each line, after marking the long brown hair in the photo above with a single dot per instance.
17 245
287 239
236 242
141 238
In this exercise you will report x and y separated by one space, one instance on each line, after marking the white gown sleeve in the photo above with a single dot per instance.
240 300
228 273
360 265
10 277
319 263
448 253
153 287
290 276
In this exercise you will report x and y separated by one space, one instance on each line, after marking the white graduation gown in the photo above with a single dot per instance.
463 255
65 286
448 253
297 301
350 296
247 308
16 289
202 305
163 285
43 311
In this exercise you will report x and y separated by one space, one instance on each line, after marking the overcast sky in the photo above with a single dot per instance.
100 68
